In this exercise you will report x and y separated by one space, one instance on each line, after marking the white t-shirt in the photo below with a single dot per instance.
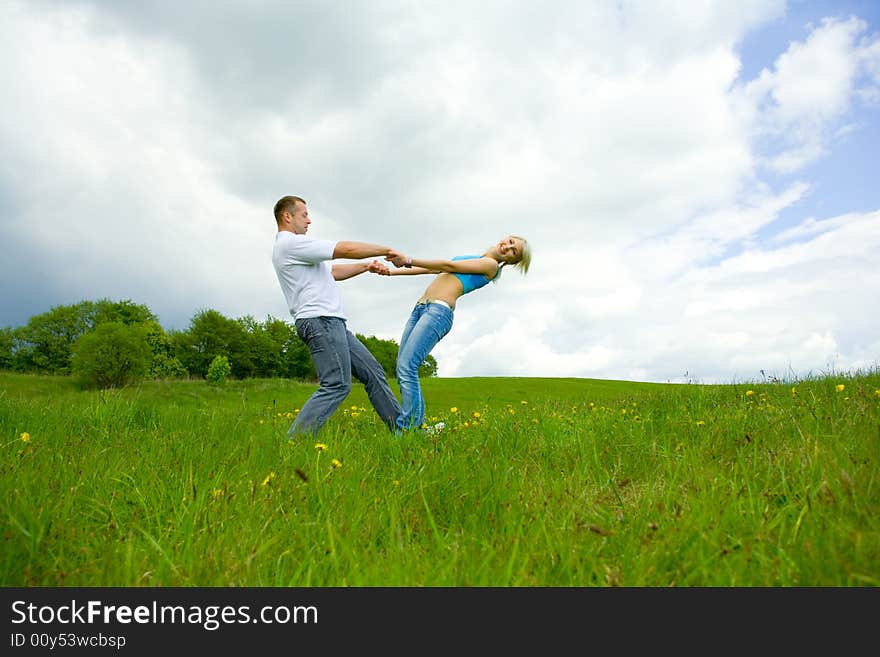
305 275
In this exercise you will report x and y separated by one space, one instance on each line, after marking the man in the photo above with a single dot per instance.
308 281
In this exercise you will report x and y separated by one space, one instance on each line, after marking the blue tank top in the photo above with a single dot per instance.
471 282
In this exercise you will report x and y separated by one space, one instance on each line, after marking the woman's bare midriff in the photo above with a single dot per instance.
445 287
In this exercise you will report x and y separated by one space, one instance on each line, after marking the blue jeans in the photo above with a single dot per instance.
427 325
337 354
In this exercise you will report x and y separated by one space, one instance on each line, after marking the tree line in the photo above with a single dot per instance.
111 343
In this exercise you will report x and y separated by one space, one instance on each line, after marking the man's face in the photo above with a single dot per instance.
299 218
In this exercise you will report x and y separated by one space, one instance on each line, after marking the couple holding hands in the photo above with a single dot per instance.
308 281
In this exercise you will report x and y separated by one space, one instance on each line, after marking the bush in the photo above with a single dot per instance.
112 355
218 370
166 367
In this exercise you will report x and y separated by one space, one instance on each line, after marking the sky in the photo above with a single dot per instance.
697 180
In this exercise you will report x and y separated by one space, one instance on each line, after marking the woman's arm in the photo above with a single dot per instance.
486 266
412 271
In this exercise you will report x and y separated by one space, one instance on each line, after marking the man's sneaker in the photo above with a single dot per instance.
437 428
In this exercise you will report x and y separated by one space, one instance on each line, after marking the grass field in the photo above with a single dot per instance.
534 482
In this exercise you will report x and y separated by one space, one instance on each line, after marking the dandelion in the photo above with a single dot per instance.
269 477
454 409
701 423
321 447
477 414
794 392
877 392
25 437
524 402
355 413
511 411
354 408
289 416
336 463
840 387
749 393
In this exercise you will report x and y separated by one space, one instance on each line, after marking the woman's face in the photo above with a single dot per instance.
511 249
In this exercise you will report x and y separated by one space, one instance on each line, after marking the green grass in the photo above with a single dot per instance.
557 482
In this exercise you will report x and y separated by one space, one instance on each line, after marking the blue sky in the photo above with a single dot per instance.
844 178
696 179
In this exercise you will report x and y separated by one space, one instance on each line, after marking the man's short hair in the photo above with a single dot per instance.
287 203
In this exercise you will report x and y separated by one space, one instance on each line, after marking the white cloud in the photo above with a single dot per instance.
810 87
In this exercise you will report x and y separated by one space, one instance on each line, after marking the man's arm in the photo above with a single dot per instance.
358 250
343 272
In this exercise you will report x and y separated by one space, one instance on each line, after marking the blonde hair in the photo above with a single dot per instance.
526 258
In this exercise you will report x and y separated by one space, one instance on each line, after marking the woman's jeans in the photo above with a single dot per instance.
427 324
337 355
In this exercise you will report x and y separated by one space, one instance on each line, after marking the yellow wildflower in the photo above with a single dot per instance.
321 447
477 414
269 477
25 437
454 409
336 463
794 392
749 393
354 414
354 408
524 402
700 423
840 387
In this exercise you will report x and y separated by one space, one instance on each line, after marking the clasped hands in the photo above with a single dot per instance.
396 258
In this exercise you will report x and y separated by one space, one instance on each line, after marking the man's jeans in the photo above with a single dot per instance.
337 355
427 325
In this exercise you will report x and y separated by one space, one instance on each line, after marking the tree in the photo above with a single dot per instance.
218 370
112 355
164 364
211 334
126 312
7 348
46 342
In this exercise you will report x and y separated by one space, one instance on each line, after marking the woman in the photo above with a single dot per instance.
431 319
